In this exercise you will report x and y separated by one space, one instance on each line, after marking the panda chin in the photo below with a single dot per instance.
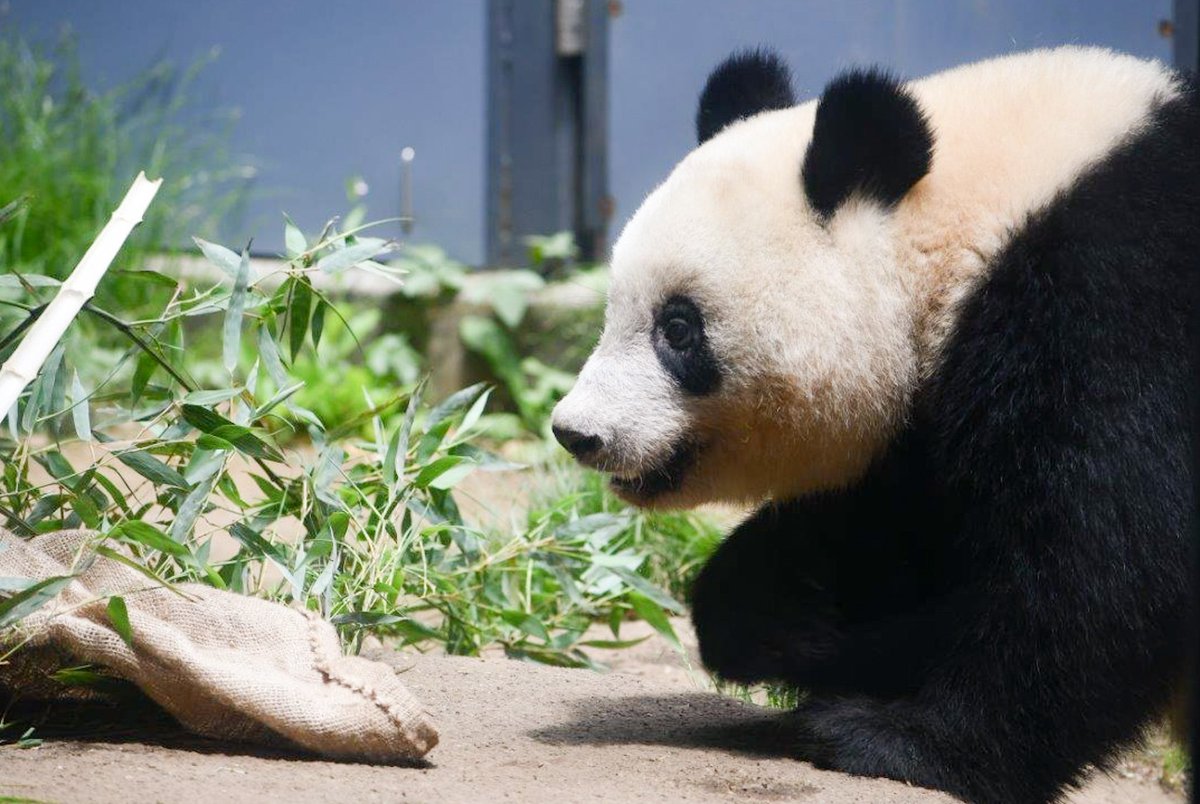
668 477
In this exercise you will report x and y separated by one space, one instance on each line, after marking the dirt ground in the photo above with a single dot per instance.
649 730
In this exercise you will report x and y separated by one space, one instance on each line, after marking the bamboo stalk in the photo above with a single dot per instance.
24 364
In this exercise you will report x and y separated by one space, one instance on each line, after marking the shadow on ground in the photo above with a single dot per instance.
680 721
131 718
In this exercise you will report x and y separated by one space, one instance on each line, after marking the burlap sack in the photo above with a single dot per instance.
225 665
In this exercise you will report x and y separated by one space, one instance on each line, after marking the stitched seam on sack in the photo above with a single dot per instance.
323 666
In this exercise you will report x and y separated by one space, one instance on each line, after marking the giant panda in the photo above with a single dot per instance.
937 332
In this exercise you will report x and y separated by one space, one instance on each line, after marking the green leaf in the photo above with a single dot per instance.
653 614
298 312
231 340
510 304
613 644
143 370
118 615
215 443
28 600
14 282
293 238
648 589
472 416
85 506
365 248
452 476
410 415
208 398
270 357
318 322
256 545
527 623
79 409
366 618
432 439
59 467
152 468
454 403
191 508
438 468
285 392
208 421
228 261
136 530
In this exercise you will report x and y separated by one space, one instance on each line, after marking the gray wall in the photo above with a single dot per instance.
663 49
325 91
329 90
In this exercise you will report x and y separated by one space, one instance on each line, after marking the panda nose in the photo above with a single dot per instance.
577 443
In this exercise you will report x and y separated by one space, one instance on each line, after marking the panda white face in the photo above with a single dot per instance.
755 345
775 302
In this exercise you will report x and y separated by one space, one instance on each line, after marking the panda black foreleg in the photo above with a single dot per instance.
1018 703
763 606
825 594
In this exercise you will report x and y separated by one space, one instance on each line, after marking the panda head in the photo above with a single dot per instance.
758 339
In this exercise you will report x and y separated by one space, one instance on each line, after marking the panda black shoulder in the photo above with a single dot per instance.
1104 278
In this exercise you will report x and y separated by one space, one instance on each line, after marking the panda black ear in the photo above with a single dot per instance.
746 83
870 137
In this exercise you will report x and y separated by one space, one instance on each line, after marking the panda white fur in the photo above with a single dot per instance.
940 332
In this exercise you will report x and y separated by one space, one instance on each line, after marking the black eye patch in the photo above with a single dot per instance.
682 347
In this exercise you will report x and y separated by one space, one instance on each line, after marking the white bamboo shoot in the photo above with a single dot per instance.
24 364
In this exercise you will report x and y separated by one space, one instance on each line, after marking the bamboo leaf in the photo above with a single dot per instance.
118 615
121 558
79 409
454 403
527 623
28 600
270 357
191 508
207 398
152 468
653 614
318 322
143 370
298 313
284 393
444 472
648 590
231 341
293 238
365 248
145 534
219 256
207 421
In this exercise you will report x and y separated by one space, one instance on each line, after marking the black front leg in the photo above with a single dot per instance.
836 592
763 606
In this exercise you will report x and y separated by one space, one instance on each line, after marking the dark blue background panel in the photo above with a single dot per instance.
327 91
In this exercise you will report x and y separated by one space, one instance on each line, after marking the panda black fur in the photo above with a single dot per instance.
997 598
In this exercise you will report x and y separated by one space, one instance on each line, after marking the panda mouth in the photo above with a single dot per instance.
666 477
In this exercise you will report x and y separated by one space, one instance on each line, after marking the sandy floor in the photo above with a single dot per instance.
510 731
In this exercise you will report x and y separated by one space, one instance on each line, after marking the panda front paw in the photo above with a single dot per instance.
869 737
763 606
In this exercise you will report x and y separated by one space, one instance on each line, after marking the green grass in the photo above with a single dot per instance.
68 154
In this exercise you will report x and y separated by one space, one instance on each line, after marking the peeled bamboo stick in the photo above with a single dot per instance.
40 340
